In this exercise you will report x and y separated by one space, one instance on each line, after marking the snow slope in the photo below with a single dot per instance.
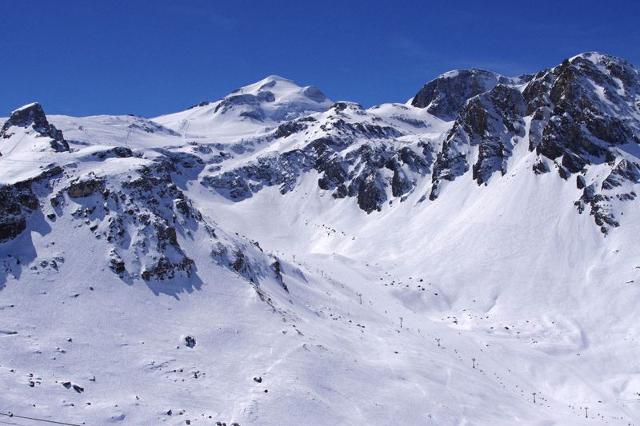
248 110
279 259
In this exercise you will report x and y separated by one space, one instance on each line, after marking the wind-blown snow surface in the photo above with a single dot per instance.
494 304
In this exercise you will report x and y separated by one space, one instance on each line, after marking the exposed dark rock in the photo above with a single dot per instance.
190 341
445 96
164 268
115 152
624 171
116 263
581 109
18 201
201 104
563 172
12 220
234 259
335 173
248 100
600 208
400 182
86 187
282 170
540 167
371 191
291 127
277 269
343 171
150 211
33 115
493 121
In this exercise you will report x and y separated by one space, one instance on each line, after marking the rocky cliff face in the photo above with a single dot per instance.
492 121
445 96
582 113
33 118
353 151
582 109
21 200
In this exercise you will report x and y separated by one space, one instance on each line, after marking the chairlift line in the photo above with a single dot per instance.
16 416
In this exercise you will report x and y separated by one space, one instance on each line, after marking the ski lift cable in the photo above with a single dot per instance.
15 160
2 422
16 416
16 145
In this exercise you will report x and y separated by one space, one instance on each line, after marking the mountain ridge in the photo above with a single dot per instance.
274 257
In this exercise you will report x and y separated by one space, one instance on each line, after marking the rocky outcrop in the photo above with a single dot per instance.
492 121
618 186
599 207
366 173
85 187
370 191
12 212
33 116
115 152
582 109
446 95
352 156
252 102
18 201
280 169
624 171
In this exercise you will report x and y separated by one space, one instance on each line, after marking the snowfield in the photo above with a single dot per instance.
274 258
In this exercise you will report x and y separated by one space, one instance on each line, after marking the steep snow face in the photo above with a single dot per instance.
288 260
250 109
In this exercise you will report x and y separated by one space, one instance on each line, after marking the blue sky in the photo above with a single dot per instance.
157 56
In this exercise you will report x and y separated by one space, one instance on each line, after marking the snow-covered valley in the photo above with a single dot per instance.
277 258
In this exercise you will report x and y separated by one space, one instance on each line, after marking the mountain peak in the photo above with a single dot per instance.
274 98
281 88
34 106
33 115
26 115
268 83
461 72
445 95
597 57
276 78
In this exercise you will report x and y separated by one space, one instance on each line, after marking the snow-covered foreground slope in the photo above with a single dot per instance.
275 259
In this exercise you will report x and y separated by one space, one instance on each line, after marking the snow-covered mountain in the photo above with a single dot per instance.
248 110
276 258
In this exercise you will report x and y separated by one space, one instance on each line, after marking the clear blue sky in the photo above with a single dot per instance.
150 57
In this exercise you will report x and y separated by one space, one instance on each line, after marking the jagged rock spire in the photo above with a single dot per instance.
33 115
